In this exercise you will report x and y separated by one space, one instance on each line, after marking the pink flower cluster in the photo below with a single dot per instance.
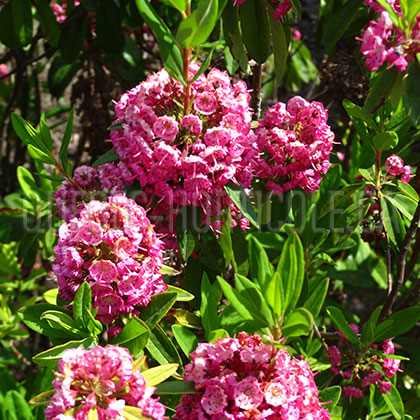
355 367
383 41
243 378
100 379
87 184
60 10
295 142
180 158
113 246
394 165
282 7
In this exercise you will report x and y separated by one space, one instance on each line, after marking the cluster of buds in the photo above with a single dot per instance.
363 369
394 165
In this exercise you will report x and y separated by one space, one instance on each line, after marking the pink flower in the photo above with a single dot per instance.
352 392
391 366
237 385
384 387
113 246
371 379
101 378
3 71
166 128
394 165
205 103
282 9
193 123
406 174
334 355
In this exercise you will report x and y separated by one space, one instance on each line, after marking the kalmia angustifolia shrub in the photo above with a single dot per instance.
113 247
359 370
87 184
243 378
383 41
100 379
295 143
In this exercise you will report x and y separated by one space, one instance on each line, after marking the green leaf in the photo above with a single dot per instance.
187 318
8 35
51 356
330 395
133 413
204 65
413 10
176 387
394 402
38 154
157 308
317 298
340 322
22 20
168 46
162 349
133 336
26 132
397 324
255 29
108 27
369 329
110 156
252 293
67 135
182 295
216 335
408 191
210 297
195 29
355 111
240 251
403 204
116 126
14 407
48 21
412 92
242 305
82 303
297 323
280 47
385 141
180 5
31 317
188 219
27 183
275 295
261 269
338 24
292 270
61 73
63 322
42 399
158 374
186 339
45 135
73 36
242 201
366 174
380 89
392 13
393 222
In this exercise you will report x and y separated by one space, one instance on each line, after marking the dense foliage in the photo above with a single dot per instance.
210 209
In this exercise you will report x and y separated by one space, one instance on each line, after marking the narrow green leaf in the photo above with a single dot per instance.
45 135
63 322
380 89
133 413
280 47
299 322
355 111
162 349
38 154
255 29
67 135
110 156
260 267
216 335
195 30
134 335
22 20
51 356
168 46
340 322
27 183
385 141
242 201
157 308
15 407
48 21
116 126
158 374
275 295
317 298
204 65
411 92
242 305
176 387
252 293
330 395
394 402
398 323
182 295
82 303
180 5
186 339
210 297
42 399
